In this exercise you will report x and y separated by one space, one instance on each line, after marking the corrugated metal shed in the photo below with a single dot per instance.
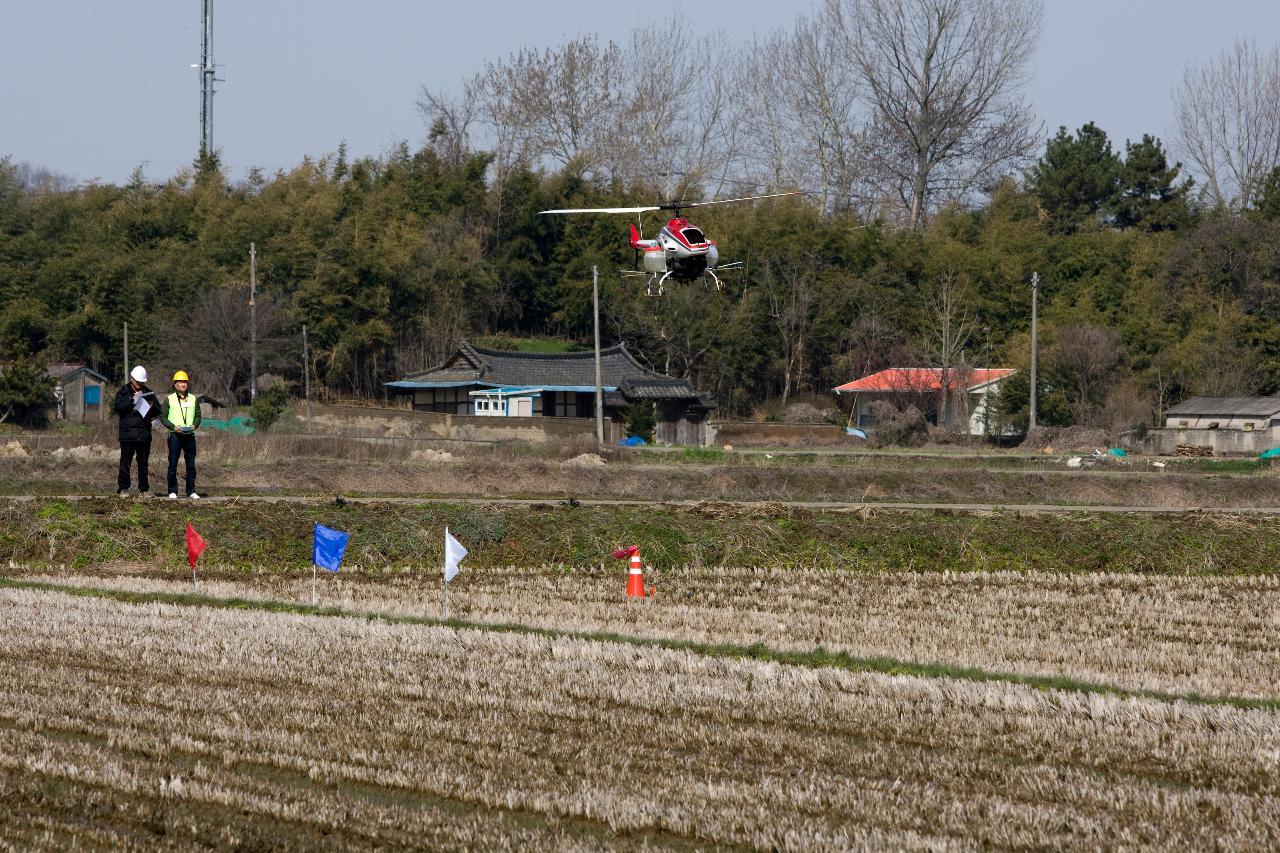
1226 407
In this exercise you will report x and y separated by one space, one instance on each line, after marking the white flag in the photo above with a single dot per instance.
453 554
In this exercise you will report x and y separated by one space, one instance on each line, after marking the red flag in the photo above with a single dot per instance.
623 553
195 545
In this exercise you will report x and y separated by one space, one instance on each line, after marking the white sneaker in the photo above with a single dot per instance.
194 496
173 496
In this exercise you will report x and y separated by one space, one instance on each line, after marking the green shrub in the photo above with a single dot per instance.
641 420
268 407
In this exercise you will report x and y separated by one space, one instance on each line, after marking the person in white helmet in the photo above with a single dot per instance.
137 407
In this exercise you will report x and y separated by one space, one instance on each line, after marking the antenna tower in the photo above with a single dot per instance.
207 78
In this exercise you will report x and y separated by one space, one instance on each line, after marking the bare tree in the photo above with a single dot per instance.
1084 358
211 341
870 343
948 327
1226 369
674 141
609 110
788 285
450 119
806 125
557 105
943 80
1228 115
38 180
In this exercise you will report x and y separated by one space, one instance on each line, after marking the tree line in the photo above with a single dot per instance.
933 197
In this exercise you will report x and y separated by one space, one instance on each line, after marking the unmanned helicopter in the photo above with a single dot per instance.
681 252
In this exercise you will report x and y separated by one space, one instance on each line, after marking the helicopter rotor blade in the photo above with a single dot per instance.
602 210
673 205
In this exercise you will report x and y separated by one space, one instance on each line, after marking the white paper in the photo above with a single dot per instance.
453 554
141 406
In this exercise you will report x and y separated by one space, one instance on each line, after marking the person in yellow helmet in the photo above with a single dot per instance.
181 416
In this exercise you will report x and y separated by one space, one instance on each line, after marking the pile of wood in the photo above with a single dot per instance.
1193 450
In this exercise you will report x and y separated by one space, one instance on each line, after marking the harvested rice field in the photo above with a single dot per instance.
141 711
155 725
861 702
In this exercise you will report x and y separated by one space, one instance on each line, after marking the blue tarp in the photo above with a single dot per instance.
1118 451
633 441
240 424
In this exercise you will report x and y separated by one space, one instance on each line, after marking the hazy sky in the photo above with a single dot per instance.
93 88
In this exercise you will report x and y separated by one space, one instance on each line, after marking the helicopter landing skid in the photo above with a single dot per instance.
656 286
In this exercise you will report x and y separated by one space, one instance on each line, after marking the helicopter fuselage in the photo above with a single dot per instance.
680 251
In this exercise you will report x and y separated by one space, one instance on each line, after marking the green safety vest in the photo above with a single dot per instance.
182 412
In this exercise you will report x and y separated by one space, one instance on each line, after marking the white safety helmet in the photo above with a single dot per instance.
138 374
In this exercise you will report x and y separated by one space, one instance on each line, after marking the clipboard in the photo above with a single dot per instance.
142 405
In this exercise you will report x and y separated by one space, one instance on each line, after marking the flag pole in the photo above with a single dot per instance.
446 600
315 599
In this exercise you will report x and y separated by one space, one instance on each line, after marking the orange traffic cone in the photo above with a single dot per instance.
635 574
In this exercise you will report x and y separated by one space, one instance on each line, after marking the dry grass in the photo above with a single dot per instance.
241 727
1182 635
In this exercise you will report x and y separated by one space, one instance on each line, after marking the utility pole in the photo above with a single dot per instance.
253 322
1035 294
126 352
986 394
306 374
595 300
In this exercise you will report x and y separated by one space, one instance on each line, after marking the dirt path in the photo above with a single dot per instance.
832 506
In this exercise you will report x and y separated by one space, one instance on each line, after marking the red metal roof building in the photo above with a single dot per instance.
924 384
916 380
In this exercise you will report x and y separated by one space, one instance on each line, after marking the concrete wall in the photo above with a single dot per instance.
1225 442
751 434
1254 422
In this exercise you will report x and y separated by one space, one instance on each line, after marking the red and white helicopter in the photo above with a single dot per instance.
681 251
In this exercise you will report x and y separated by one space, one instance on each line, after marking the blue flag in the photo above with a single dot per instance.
329 547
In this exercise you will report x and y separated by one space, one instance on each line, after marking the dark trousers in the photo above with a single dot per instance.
128 450
185 445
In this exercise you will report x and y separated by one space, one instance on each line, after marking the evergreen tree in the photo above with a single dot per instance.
26 392
1150 196
1077 178
1267 204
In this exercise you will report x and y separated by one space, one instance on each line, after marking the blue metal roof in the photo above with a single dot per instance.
517 391
404 383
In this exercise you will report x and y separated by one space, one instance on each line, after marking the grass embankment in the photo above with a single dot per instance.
266 537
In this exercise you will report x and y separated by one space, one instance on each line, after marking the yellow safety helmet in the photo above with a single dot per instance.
181 376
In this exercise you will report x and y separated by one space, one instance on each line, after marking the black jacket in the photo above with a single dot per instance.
134 427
